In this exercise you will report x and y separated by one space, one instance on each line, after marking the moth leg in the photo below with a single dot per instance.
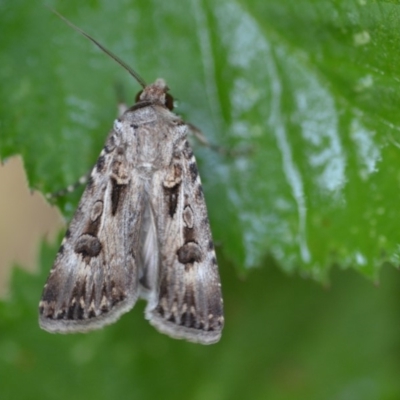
71 188
198 134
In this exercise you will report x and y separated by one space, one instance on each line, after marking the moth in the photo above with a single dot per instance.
141 230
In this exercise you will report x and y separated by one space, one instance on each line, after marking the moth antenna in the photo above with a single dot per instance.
131 71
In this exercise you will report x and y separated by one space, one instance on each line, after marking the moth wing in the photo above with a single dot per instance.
94 279
187 302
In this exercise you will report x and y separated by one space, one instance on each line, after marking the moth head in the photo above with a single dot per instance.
157 92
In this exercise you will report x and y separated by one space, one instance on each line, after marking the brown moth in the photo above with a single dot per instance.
140 231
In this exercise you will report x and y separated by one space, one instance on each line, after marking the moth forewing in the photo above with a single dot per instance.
189 293
94 279
140 230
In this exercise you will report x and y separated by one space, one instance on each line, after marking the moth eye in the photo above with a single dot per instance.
137 98
169 101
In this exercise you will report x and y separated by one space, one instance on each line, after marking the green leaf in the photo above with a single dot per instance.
310 86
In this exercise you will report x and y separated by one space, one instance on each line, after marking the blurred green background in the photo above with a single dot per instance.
285 338
306 223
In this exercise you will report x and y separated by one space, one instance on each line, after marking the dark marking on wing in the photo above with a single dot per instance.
92 227
189 234
172 319
92 298
160 310
100 164
74 307
117 194
116 294
187 151
189 253
92 294
193 171
62 314
171 196
51 292
88 246
188 317
90 182
199 192
104 307
70 313
80 311
163 288
49 310
110 144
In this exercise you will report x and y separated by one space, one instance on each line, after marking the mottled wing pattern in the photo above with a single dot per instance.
94 278
141 228
188 302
